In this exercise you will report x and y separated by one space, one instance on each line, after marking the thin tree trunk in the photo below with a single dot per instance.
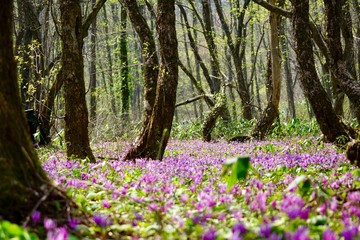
188 63
288 74
234 47
125 91
110 62
92 70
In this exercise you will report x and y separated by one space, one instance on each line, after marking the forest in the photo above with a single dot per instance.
188 119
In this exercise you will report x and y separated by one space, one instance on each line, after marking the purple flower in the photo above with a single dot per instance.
239 228
210 234
35 217
49 224
102 220
329 235
349 233
58 234
73 223
301 234
153 207
106 203
265 230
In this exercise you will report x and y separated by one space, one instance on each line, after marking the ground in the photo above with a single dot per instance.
294 189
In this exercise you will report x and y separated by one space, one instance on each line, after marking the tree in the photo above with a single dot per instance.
49 102
150 58
327 119
22 180
271 112
92 69
125 90
339 65
72 74
154 137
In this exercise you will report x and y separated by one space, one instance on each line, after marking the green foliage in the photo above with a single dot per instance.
15 232
239 167
241 127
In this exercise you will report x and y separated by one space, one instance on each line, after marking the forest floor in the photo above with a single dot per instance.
294 189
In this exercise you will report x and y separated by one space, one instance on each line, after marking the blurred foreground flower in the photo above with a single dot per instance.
102 220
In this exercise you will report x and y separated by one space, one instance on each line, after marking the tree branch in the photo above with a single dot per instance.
273 8
193 99
91 17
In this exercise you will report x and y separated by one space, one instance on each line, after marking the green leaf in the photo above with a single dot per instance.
11 229
239 168
305 187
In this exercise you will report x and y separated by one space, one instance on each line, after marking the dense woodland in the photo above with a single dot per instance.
79 74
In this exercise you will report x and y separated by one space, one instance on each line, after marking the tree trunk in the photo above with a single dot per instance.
327 119
72 73
47 107
125 91
242 86
154 138
92 71
150 58
22 180
110 62
288 74
271 111
339 65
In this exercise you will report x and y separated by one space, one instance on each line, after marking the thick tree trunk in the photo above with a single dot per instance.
339 64
47 107
72 72
327 119
22 180
154 139
271 111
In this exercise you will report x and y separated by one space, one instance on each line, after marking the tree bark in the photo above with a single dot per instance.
154 138
125 91
48 105
327 119
22 180
72 73
271 111
92 70
341 62
110 62
234 46
288 74
150 58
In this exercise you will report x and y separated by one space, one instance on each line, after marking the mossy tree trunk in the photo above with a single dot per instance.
72 73
22 180
327 119
150 58
154 138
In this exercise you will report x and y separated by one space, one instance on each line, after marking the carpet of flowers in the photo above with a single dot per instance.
295 189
